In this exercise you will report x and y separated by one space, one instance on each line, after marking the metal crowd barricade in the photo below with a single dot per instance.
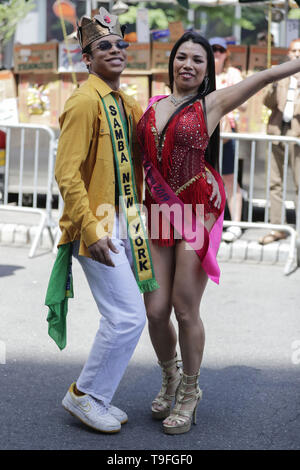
293 258
29 169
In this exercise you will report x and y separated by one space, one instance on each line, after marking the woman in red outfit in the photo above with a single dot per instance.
179 135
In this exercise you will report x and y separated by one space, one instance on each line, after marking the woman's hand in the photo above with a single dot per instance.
215 189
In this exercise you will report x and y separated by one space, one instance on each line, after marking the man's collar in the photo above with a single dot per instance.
104 89
100 85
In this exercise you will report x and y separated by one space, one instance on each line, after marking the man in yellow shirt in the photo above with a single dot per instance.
98 137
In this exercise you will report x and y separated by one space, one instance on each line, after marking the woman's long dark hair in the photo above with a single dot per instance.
207 86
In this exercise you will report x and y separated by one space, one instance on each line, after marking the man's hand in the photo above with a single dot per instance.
100 251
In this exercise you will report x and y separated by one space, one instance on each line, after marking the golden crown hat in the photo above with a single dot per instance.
91 29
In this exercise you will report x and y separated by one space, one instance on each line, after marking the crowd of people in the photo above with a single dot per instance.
107 147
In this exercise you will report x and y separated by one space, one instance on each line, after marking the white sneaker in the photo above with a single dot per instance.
120 415
231 234
91 412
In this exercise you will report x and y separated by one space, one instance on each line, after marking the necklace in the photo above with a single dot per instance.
177 101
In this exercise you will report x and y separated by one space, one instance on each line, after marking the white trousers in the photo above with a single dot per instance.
122 320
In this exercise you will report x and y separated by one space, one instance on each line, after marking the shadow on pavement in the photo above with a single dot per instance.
9 270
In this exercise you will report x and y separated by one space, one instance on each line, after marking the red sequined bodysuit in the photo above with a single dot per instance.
179 155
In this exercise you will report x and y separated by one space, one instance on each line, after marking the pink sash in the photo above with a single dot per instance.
192 230
187 225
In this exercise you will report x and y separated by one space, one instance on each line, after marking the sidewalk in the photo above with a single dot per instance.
18 229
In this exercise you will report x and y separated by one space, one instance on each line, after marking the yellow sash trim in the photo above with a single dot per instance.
136 231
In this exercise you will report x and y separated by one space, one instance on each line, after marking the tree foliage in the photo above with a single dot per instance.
159 14
11 12
226 16
294 14
219 20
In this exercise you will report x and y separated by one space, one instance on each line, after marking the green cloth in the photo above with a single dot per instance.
60 289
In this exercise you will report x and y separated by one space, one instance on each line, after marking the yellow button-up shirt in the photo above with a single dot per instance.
84 168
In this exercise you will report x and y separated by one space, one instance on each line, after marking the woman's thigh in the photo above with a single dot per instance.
159 302
190 280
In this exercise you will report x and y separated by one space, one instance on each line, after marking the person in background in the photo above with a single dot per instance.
226 75
283 99
262 39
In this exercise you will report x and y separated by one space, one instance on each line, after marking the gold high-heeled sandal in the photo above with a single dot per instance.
183 417
171 375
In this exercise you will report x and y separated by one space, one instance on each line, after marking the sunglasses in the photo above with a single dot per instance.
106 45
218 49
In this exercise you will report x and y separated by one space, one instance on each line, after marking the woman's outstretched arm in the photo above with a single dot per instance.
221 102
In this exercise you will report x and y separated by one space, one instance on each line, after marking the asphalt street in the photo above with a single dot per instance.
250 374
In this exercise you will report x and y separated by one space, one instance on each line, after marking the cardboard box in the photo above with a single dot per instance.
258 57
8 87
138 56
74 63
136 86
176 30
9 111
238 57
160 54
35 58
67 87
39 99
160 84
